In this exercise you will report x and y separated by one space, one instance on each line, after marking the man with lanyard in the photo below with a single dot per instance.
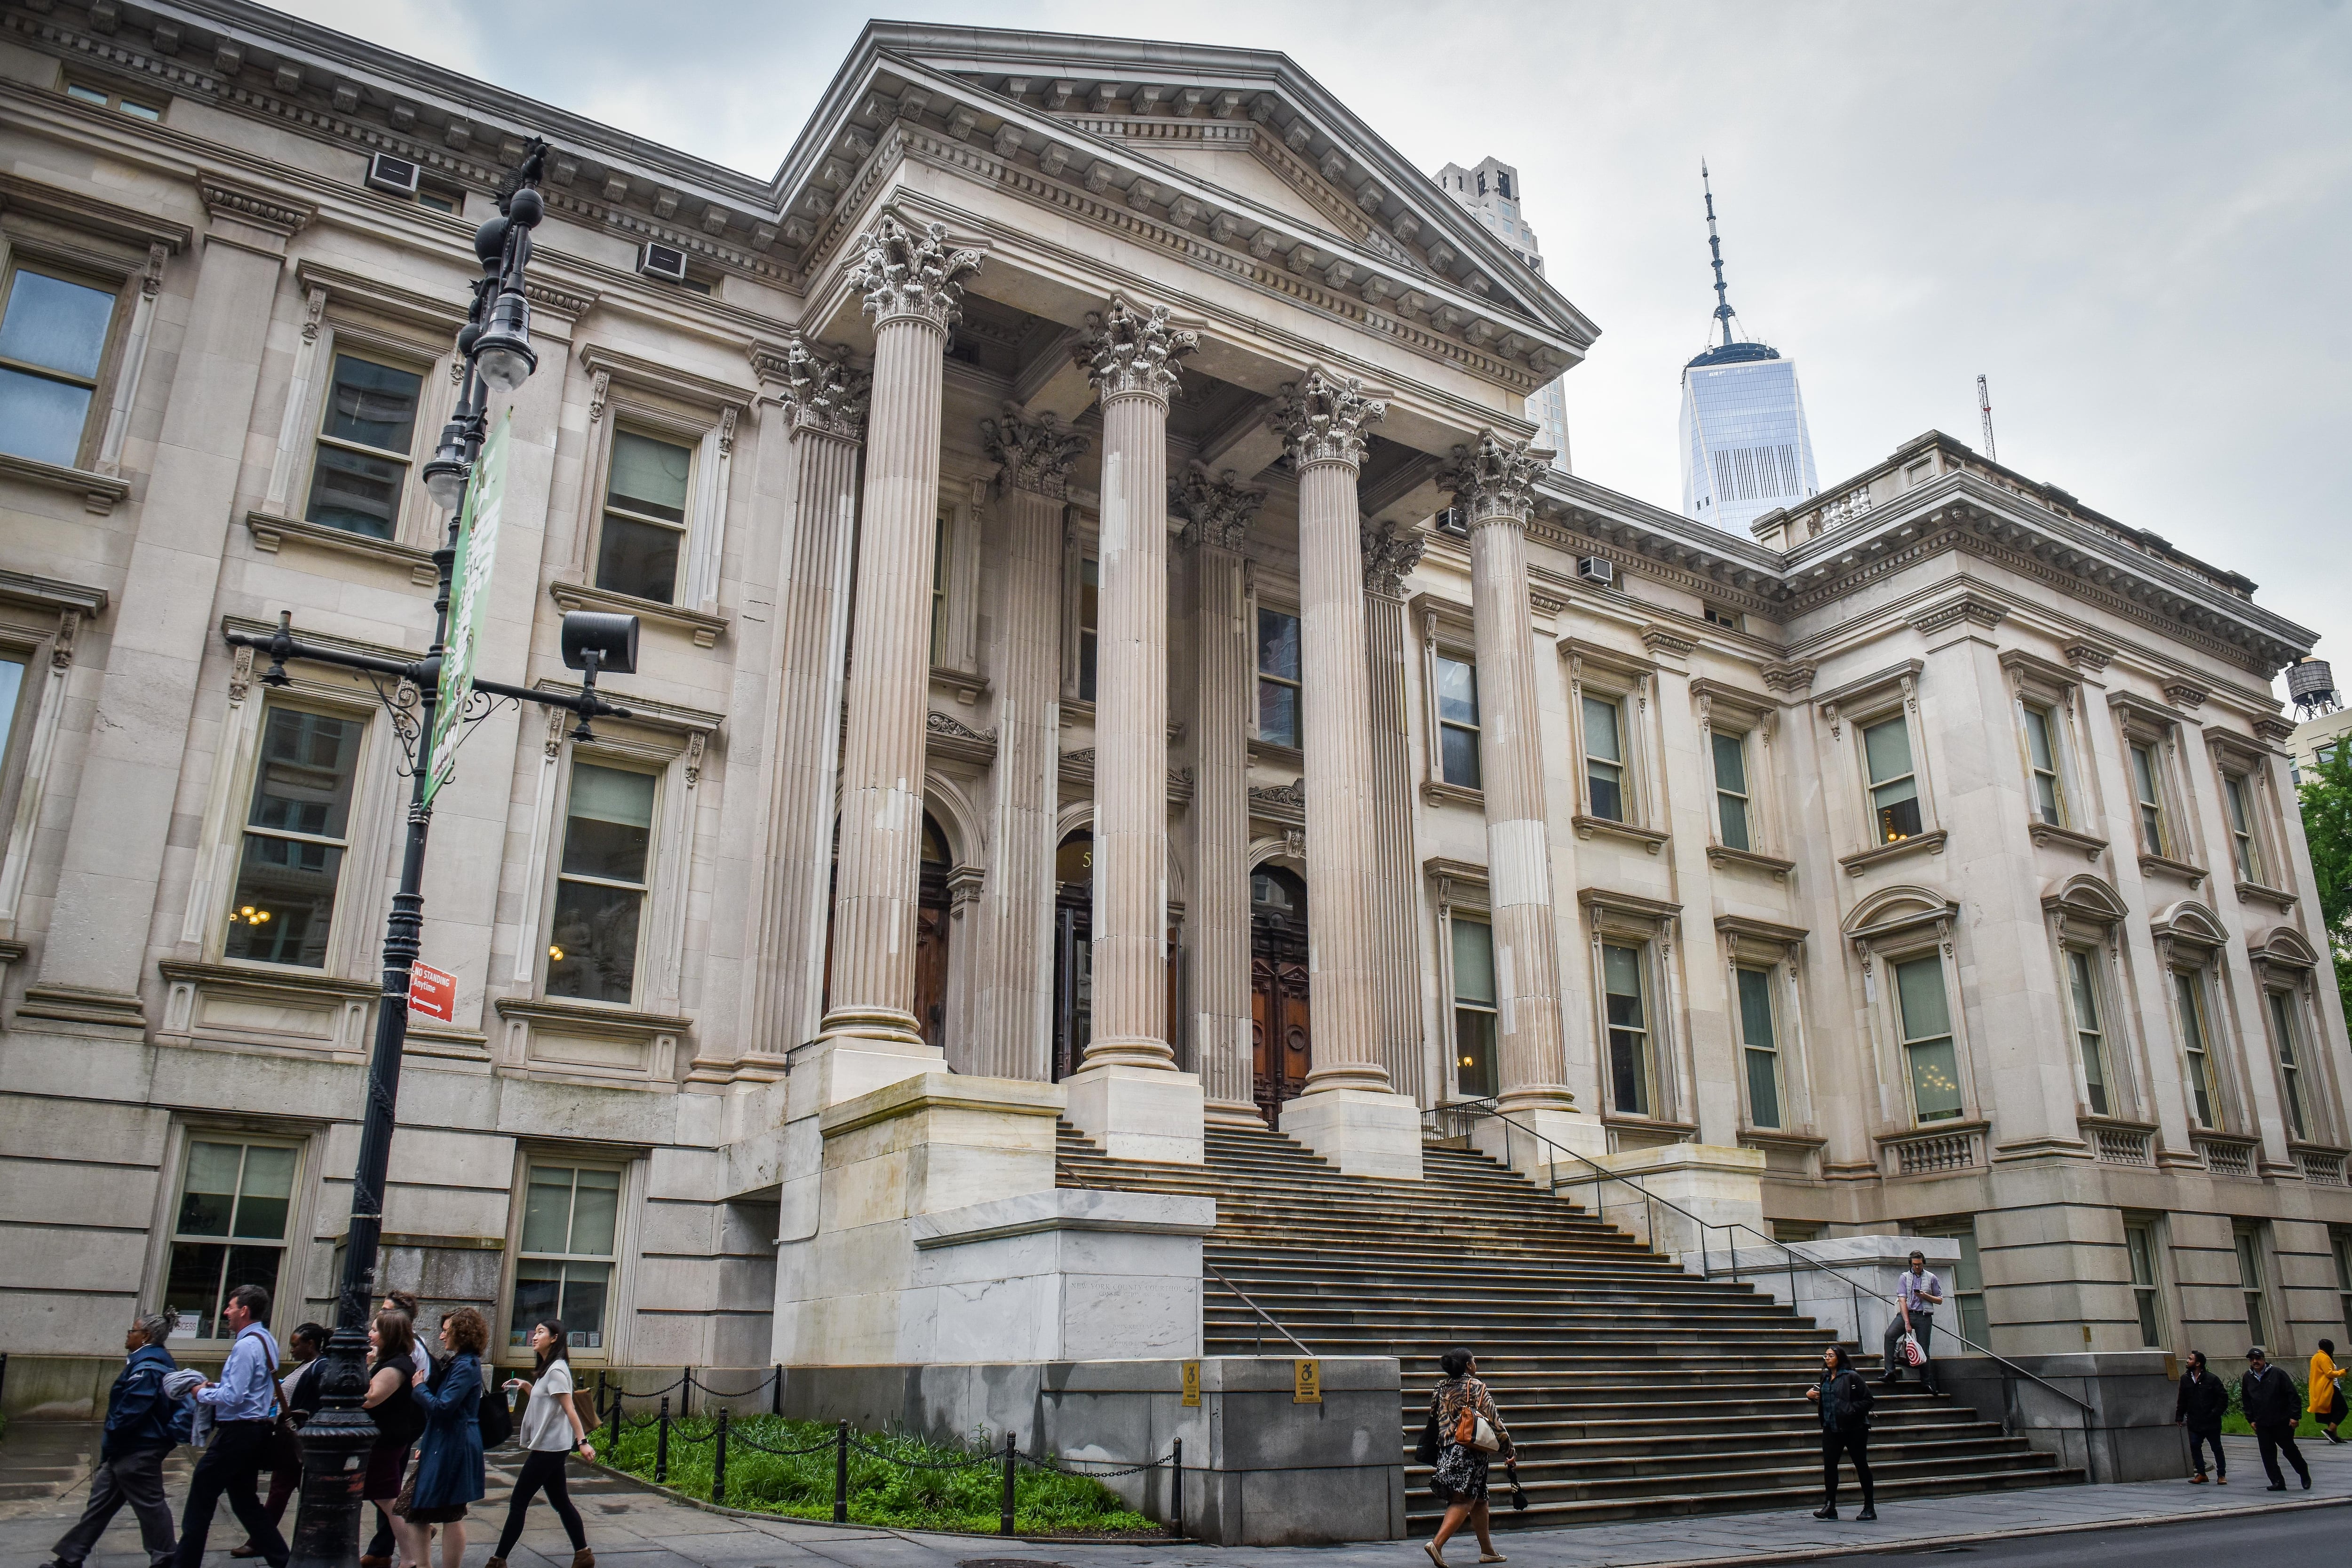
244 1418
1918 1293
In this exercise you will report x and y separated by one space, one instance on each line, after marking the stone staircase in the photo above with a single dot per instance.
1631 1388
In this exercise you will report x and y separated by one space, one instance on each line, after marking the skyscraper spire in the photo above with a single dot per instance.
1723 312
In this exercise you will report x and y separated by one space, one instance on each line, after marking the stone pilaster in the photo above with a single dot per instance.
821 401
1217 511
1491 480
1349 1113
1010 1027
1130 354
912 282
1389 553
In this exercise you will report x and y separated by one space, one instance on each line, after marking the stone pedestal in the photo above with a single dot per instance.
1851 1295
1364 1132
2126 1434
1139 1113
1712 1184
1536 1136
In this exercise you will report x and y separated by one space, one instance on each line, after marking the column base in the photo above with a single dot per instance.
887 1026
1232 1113
1139 1113
1365 1132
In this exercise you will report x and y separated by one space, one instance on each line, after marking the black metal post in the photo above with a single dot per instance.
1004 1526
1176 1492
661 1443
841 1473
776 1393
612 1444
719 1460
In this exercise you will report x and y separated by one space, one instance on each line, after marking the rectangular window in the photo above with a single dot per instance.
2248 1240
1605 757
2139 1241
2151 802
1089 620
939 585
1457 721
564 1265
2290 1056
1278 719
1760 1043
1894 787
1967 1283
12 691
645 489
2340 1243
1731 790
365 440
2041 757
1474 1008
235 1198
1629 1029
295 836
1926 1020
98 96
599 891
2242 828
52 339
2191 995
2089 1035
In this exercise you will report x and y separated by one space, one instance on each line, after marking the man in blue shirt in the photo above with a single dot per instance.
142 1425
245 1415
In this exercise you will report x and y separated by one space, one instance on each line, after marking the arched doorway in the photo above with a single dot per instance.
930 932
1281 1051
1074 896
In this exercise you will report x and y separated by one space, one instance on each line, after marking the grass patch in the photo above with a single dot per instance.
881 1491
2234 1422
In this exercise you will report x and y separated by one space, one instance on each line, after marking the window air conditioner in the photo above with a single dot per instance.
1593 569
386 173
667 262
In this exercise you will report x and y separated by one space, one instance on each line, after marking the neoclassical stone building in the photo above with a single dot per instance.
1110 652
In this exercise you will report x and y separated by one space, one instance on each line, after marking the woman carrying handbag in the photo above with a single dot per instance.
1468 1431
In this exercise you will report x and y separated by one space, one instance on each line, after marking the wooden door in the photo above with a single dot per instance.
1281 1041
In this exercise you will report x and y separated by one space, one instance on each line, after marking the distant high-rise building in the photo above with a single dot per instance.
1746 449
1491 190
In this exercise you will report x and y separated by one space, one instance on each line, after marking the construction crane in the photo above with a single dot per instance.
1984 407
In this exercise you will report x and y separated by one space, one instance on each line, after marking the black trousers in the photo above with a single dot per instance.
2272 1437
2201 1441
544 1469
137 1479
1922 1325
1856 1444
230 1469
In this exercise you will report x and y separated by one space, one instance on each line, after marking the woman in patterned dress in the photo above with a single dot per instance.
1461 1478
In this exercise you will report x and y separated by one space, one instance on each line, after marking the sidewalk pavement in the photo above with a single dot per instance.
633 1526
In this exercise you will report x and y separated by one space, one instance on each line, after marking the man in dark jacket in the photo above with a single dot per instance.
2268 1396
2204 1401
142 1425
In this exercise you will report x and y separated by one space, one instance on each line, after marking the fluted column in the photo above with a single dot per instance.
1217 511
912 281
1130 355
1012 1028
824 401
1491 480
1347 1112
1389 553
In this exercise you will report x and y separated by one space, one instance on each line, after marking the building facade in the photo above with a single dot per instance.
1492 190
1032 497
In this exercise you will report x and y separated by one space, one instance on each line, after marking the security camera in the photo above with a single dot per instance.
610 639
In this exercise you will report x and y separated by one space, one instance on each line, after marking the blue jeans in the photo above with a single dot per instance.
2201 1441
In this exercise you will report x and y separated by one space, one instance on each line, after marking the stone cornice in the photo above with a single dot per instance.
227 198
95 214
600 359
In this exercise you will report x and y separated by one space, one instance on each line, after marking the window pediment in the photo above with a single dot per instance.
1899 911
1879 690
2191 924
2286 948
2085 897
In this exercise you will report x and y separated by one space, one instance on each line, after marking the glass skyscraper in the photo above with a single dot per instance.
1745 446
1492 191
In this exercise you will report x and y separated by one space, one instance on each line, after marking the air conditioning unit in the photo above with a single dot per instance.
398 175
667 262
1593 569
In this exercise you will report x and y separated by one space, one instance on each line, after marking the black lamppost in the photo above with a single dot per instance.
495 343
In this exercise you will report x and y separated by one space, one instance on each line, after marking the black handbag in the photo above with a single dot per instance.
1518 1492
493 1418
1426 1451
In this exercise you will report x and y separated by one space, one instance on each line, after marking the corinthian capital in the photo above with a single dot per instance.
909 274
821 391
1216 508
1389 554
1129 351
1493 479
1033 452
1323 418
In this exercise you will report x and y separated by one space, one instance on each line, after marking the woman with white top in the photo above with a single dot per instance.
552 1432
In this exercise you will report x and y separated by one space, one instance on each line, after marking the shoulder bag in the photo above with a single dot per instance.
491 1415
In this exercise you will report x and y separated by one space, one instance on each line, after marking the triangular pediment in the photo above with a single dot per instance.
1243 171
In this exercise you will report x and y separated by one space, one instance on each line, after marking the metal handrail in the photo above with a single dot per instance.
1254 1307
1475 1108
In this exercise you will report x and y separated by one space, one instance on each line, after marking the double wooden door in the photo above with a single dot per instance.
1282 1048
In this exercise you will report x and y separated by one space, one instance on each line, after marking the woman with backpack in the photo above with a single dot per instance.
450 1472
1466 1429
1844 1402
552 1432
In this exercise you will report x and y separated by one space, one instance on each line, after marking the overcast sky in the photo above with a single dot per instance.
2131 217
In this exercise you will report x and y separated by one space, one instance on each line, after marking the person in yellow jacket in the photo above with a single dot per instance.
2327 1390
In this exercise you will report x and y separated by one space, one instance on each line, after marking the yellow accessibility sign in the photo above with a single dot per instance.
1307 1383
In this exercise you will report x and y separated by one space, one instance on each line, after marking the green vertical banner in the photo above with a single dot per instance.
469 596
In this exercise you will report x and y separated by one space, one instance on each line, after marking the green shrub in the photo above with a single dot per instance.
882 1491
2236 1425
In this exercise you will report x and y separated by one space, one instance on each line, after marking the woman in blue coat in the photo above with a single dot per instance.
448 1472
